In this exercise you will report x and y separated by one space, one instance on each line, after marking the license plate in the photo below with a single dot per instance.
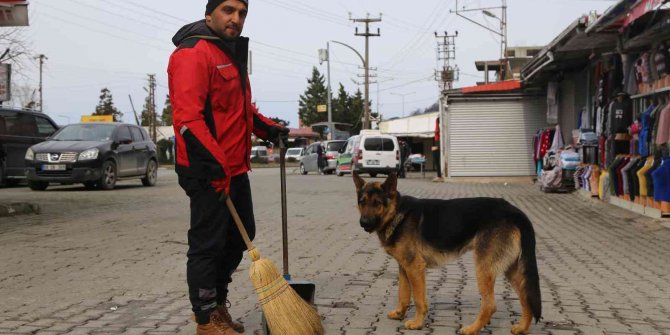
54 167
372 162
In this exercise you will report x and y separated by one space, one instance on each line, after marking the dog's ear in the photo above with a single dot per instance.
390 186
358 181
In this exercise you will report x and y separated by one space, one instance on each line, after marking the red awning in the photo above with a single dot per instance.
509 85
641 8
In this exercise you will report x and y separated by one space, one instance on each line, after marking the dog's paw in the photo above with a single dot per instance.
396 315
414 325
519 329
469 330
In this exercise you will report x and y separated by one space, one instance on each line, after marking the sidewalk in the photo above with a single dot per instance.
603 270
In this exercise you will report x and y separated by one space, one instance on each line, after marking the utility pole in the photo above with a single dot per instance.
367 35
502 33
152 107
403 95
42 58
446 52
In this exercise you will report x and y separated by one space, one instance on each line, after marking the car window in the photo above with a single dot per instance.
124 132
85 132
379 144
44 127
137 134
21 125
335 146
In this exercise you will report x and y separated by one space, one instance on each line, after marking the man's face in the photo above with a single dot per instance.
227 20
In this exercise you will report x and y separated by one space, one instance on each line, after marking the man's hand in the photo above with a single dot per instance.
278 132
222 186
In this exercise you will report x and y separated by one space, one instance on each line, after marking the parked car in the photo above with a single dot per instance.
19 130
344 162
309 161
372 153
294 154
259 154
95 154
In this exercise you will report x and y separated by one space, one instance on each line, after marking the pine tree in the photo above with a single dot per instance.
166 117
316 94
356 111
145 117
281 121
106 106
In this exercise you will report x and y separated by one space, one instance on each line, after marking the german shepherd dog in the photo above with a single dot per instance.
423 233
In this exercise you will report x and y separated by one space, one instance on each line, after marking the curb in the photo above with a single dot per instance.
20 208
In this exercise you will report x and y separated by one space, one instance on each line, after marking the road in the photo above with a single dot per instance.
97 262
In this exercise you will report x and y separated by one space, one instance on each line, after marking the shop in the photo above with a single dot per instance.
607 84
417 130
488 128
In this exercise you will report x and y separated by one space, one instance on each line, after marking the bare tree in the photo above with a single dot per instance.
15 49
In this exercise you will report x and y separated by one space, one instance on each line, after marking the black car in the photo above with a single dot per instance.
95 154
19 130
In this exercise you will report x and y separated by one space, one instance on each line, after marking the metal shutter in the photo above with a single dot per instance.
493 137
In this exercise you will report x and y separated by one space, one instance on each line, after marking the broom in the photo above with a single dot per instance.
285 311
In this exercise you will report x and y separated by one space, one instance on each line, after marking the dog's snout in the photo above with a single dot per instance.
367 223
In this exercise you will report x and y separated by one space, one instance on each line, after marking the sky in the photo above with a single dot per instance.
91 44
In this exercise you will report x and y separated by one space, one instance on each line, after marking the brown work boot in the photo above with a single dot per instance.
216 326
223 312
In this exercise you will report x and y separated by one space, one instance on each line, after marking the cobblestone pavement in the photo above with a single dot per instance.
114 262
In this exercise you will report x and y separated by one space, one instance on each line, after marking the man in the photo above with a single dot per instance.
320 160
436 153
404 154
213 121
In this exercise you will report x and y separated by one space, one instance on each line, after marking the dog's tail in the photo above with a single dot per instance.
531 275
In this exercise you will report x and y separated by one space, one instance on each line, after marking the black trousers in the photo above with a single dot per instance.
215 246
436 163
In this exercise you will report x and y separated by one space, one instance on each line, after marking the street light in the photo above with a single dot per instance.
366 118
489 14
403 100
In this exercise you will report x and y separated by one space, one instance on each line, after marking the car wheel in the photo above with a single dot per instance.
302 169
373 174
152 174
90 185
338 171
38 185
108 178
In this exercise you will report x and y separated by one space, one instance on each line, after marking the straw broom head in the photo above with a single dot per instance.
285 311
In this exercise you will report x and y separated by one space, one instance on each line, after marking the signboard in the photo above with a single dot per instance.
5 82
13 13
322 108
97 118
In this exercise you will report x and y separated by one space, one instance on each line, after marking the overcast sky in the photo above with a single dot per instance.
93 44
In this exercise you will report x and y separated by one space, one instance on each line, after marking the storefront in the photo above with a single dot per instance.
607 82
488 128
417 130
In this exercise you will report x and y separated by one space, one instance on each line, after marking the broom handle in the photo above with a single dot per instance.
284 219
239 224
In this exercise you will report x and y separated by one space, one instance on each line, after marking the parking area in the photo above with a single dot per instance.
113 262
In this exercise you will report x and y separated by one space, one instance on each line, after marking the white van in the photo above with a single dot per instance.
376 153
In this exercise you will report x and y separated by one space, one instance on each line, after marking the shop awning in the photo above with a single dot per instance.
641 8
572 49
502 86
613 19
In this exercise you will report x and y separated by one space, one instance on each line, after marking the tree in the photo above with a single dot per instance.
357 111
17 51
316 94
106 106
278 120
145 116
166 117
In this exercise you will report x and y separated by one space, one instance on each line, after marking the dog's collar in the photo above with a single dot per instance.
394 224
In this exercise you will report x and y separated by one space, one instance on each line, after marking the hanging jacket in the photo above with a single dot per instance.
211 96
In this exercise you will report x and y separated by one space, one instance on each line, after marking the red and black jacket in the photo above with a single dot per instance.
212 111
